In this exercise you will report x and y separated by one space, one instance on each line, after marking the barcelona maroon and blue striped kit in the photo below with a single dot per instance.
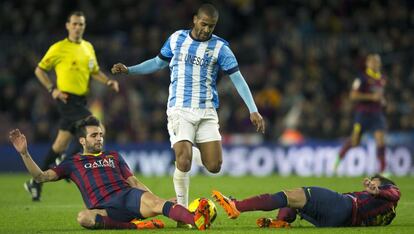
327 208
368 84
375 210
370 114
99 177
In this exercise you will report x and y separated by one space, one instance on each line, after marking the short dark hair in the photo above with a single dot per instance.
383 180
209 10
82 124
77 13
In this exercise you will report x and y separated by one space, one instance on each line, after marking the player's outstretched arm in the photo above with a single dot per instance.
146 67
244 91
20 144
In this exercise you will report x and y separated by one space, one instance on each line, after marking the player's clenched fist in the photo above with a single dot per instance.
119 68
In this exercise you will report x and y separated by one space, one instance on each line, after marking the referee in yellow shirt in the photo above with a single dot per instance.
74 62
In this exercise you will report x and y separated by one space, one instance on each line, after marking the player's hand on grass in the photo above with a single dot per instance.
119 68
57 94
258 121
18 140
113 84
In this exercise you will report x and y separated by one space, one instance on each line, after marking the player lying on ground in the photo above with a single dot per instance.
375 206
114 197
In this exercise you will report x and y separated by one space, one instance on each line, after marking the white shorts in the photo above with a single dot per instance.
193 124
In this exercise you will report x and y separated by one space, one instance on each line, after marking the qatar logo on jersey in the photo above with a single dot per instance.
101 163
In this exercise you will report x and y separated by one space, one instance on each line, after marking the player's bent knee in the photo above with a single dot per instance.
151 205
213 168
296 198
184 164
86 219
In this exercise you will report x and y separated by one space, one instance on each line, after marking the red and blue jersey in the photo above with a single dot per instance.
99 177
375 210
369 82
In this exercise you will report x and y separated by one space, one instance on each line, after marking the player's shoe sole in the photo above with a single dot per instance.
202 215
272 223
227 204
148 224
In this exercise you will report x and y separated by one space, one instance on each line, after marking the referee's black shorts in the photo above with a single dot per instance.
73 110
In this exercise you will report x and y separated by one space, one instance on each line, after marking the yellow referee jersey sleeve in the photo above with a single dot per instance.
73 64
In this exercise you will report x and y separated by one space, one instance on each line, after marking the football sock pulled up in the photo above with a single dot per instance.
104 222
181 186
264 202
178 213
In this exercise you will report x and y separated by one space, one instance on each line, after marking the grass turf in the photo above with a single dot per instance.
61 202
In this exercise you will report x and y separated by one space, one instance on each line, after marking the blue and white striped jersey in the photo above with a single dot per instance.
194 67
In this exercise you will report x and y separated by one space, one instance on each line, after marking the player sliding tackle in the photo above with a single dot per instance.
114 197
375 206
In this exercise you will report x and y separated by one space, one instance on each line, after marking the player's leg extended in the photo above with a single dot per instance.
181 177
294 198
380 141
152 205
211 155
208 141
59 146
353 141
99 219
181 128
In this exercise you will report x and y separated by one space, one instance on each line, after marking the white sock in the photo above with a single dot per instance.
197 156
181 186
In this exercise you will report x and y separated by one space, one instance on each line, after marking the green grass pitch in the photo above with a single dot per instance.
61 202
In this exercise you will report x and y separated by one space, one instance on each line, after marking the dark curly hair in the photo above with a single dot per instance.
82 124
383 180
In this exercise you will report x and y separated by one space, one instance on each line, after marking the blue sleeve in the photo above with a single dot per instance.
148 66
227 61
243 90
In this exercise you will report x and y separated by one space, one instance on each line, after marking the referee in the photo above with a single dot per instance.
74 62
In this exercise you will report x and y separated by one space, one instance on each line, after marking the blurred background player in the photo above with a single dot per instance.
195 57
369 100
114 197
74 61
375 206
